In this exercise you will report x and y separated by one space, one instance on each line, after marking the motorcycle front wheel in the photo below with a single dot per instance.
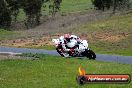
90 54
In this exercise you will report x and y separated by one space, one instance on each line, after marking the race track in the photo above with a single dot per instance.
100 57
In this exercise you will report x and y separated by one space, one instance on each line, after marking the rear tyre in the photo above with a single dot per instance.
58 50
62 53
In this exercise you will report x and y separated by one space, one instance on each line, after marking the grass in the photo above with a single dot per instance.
47 47
115 25
121 23
4 34
75 5
56 72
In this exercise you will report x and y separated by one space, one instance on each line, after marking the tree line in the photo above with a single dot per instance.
108 4
9 10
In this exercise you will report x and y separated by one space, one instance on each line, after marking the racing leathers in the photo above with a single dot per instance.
64 43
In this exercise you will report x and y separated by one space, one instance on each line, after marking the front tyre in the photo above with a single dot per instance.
90 54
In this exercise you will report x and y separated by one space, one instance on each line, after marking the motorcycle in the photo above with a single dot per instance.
81 49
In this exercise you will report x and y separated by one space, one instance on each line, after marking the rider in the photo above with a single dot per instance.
64 40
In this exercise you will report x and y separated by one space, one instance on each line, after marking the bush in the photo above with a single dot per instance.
32 8
5 15
102 4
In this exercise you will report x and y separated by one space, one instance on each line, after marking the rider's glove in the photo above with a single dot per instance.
78 42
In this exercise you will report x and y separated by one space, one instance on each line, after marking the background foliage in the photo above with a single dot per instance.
9 10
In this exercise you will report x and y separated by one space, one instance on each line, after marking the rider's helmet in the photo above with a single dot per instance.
67 37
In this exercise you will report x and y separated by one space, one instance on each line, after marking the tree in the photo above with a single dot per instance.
14 6
5 15
102 4
9 10
54 6
32 9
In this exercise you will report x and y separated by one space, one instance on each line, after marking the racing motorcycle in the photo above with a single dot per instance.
80 49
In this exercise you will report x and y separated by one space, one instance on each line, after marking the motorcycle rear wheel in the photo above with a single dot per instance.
62 53
59 52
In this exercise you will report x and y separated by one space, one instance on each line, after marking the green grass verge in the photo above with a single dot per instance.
47 47
56 72
4 34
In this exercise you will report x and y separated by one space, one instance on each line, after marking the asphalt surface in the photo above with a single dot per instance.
100 57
